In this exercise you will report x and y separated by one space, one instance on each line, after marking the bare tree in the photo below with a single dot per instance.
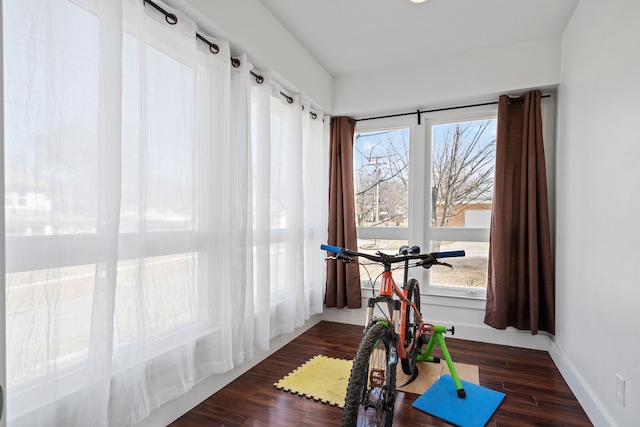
463 163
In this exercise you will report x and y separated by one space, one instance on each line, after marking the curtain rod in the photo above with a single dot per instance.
172 19
419 112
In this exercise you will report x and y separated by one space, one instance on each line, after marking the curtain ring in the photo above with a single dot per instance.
259 79
235 62
171 19
289 99
214 48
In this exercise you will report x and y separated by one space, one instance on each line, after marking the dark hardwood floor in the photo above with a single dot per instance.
536 393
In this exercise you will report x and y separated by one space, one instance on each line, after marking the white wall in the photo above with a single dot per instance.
463 78
466 315
3 382
598 203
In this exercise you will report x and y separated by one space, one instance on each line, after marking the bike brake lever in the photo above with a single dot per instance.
343 258
428 265
446 264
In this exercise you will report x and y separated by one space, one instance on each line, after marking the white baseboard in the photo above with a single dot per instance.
482 333
510 336
595 411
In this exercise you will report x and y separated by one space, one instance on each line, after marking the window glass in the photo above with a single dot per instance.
467 271
51 110
462 171
370 272
161 156
462 159
381 178
52 308
151 282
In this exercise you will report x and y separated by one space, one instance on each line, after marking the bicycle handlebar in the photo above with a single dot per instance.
390 259
329 248
450 254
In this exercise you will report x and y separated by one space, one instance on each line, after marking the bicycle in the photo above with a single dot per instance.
370 397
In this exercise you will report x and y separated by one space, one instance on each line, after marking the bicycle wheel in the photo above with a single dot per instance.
372 385
411 332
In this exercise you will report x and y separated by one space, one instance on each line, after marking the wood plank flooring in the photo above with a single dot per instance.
536 393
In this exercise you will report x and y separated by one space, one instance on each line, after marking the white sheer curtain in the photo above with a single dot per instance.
163 211
315 183
128 203
291 211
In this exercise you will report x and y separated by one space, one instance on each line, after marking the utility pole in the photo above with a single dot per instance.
376 162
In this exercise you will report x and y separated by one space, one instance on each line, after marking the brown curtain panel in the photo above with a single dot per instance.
520 286
343 280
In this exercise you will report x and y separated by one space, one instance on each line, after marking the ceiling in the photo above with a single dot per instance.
357 36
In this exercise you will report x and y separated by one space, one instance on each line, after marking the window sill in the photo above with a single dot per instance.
461 300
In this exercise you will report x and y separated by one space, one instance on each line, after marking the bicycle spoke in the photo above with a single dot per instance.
371 391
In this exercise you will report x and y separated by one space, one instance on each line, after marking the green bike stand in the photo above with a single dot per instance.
437 338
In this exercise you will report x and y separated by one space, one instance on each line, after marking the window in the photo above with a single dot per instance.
129 215
428 185
381 182
382 178
462 157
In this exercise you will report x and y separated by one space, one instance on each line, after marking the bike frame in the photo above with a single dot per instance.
389 288
398 318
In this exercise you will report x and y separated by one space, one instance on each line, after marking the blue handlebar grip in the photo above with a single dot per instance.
334 249
449 254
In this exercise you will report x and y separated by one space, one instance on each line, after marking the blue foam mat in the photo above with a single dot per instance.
442 401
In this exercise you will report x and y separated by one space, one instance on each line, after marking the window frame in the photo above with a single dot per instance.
396 123
419 230
461 234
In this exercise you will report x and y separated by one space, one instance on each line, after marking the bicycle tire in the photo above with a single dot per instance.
411 332
370 397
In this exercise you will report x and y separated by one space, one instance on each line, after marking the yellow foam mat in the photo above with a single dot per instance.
321 378
325 379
